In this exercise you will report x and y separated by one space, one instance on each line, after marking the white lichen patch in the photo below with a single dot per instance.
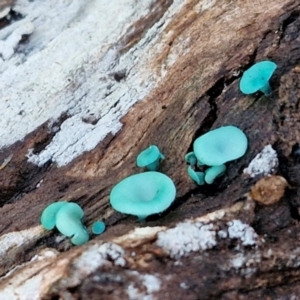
264 163
238 230
96 256
238 260
134 293
187 237
151 282
194 236
147 285
222 234
66 67
245 264
92 258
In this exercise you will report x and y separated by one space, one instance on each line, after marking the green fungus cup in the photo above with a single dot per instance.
66 217
214 149
98 227
220 145
68 222
48 217
257 78
143 194
150 158
213 172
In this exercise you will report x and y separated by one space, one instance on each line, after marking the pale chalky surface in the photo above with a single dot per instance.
85 86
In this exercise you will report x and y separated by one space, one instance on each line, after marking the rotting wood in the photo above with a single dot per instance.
196 62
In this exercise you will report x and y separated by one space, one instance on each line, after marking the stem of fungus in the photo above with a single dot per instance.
153 166
213 172
191 158
266 89
198 177
81 236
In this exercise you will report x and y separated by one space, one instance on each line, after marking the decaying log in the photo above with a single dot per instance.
85 86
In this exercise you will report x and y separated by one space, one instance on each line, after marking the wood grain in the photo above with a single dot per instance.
198 60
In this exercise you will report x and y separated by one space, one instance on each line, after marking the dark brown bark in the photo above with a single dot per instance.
200 92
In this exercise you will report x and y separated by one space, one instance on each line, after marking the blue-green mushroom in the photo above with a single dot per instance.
214 149
150 158
213 172
257 78
48 217
220 145
143 194
98 227
67 217
68 222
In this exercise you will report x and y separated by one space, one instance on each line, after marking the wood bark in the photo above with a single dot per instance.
193 61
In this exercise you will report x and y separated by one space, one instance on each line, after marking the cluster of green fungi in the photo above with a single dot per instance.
152 192
67 218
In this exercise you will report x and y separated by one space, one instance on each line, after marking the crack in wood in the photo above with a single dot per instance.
54 127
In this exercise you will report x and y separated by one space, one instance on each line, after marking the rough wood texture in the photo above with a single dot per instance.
173 76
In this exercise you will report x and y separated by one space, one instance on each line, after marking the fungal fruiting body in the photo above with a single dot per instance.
191 158
66 217
68 222
257 78
48 217
150 158
213 172
198 177
220 145
214 149
98 227
143 194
